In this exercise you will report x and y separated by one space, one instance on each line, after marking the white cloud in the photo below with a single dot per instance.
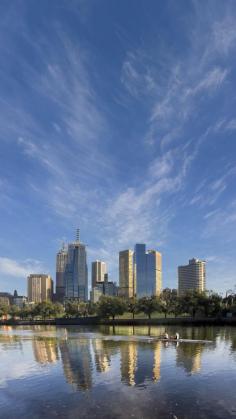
231 125
136 75
210 192
212 80
20 269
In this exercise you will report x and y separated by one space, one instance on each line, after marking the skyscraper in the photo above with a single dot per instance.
126 274
40 288
192 277
76 271
99 269
147 271
61 262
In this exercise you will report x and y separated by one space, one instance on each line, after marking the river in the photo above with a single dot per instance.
116 372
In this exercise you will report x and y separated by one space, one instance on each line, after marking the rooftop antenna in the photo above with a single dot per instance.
77 235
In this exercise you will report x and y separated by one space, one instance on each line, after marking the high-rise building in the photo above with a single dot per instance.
76 271
61 262
40 288
126 274
192 277
99 269
147 271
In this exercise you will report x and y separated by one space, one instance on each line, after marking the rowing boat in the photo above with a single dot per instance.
149 339
182 340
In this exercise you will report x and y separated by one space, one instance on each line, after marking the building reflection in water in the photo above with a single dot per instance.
103 351
9 341
102 360
77 362
188 356
45 350
140 362
128 362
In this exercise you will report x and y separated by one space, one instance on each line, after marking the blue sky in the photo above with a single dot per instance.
118 117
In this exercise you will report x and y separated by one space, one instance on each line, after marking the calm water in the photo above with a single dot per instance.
76 372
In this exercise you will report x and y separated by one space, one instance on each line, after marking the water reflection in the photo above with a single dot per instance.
45 350
189 357
85 356
77 364
128 362
140 361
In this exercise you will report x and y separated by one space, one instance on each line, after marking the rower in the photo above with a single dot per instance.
176 336
166 336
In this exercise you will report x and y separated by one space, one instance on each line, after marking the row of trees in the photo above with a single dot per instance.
192 304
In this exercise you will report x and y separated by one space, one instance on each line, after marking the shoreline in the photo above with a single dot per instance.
95 321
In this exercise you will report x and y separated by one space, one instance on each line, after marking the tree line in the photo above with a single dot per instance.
168 304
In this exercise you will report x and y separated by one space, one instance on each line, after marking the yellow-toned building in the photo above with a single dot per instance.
157 267
99 269
192 277
40 288
126 274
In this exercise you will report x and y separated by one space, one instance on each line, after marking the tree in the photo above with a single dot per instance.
149 305
25 312
189 303
214 306
46 309
92 308
72 309
83 309
14 311
4 310
133 306
58 309
168 301
111 307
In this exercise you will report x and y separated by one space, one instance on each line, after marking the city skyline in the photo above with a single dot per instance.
119 118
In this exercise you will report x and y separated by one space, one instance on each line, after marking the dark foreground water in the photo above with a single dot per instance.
76 372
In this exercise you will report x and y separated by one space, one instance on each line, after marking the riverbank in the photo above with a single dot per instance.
94 321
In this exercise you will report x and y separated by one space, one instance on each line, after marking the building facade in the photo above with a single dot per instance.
106 287
126 274
192 277
99 269
5 298
40 288
147 272
76 272
19 300
61 262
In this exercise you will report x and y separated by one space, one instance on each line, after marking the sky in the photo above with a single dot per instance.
118 117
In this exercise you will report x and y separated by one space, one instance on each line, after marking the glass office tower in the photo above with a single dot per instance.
76 272
147 271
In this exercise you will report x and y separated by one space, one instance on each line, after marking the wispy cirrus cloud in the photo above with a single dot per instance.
209 193
20 269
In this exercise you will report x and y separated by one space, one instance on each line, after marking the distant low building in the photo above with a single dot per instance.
6 298
106 287
192 277
19 300
95 294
